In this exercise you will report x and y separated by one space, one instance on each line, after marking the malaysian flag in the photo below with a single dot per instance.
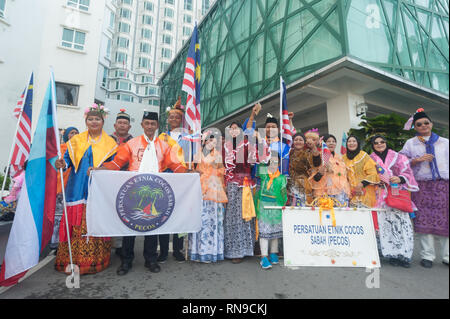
22 140
286 130
19 105
344 143
326 154
384 175
191 84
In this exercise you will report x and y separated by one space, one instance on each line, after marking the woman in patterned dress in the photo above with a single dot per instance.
396 232
84 151
207 245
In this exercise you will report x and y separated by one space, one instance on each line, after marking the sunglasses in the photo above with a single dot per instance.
424 123
377 143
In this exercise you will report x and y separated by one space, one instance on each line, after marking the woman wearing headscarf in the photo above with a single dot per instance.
207 245
303 164
428 155
332 177
362 174
84 151
59 208
396 232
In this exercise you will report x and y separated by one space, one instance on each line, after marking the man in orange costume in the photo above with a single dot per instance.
146 154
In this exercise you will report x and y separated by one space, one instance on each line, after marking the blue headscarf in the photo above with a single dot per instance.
66 133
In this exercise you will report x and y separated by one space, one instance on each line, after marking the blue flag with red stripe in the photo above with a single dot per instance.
33 223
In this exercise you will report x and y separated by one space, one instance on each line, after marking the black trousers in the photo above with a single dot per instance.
177 244
150 247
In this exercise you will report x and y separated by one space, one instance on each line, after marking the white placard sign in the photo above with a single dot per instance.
307 242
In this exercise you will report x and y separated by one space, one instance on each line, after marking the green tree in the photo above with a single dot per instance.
143 192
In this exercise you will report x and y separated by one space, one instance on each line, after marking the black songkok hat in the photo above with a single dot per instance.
123 115
271 119
150 116
420 114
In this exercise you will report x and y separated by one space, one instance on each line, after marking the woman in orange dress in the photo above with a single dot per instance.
332 177
208 244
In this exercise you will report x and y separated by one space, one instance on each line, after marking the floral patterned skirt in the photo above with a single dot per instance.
239 235
90 254
396 234
207 244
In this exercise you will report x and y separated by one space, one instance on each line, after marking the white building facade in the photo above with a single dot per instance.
108 51
139 40
36 36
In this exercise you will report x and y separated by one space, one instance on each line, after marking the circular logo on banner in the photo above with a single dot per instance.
145 202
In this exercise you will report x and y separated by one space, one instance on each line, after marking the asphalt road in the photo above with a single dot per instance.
224 280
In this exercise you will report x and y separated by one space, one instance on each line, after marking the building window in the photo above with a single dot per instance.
169 1
125 13
144 63
108 48
187 31
73 39
150 90
67 94
146 34
125 97
123 42
148 6
112 20
167 39
168 26
147 19
188 5
124 27
164 66
166 53
79 4
187 18
168 12
121 57
121 85
145 47
2 8
205 6
147 79
129 2
105 77
121 74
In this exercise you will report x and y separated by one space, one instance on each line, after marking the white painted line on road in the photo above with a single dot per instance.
41 264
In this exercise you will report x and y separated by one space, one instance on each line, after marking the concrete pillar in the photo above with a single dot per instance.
342 113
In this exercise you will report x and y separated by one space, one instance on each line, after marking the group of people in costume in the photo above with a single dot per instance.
244 175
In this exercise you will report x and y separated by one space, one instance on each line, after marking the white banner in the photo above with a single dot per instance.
130 203
307 242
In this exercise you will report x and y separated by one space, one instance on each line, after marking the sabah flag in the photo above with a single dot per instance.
33 223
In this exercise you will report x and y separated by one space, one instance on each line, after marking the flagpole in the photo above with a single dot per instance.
14 137
281 124
55 122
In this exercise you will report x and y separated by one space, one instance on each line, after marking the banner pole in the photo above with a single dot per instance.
67 222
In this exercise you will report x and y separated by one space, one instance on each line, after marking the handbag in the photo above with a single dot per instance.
402 201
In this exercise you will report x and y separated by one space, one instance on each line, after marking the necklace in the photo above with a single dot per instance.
94 141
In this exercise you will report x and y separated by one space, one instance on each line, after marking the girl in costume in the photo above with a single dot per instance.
207 245
428 155
362 174
272 192
239 226
332 175
84 151
396 232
